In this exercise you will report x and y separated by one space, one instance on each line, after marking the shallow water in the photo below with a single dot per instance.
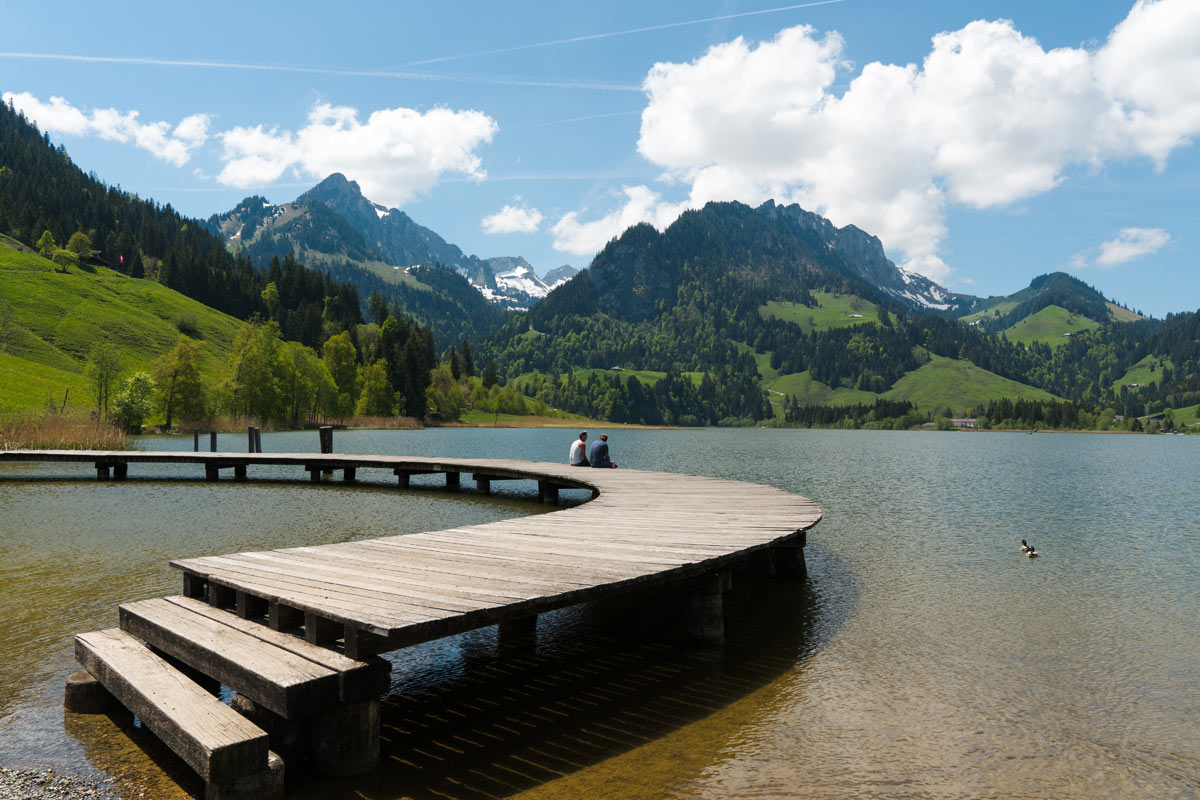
924 657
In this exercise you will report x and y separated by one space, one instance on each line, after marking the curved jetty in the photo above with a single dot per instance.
296 631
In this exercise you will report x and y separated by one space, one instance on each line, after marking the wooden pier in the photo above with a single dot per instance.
296 632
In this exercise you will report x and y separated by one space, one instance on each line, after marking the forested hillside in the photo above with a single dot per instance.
46 202
740 299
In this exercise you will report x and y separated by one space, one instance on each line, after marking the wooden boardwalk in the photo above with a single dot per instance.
640 530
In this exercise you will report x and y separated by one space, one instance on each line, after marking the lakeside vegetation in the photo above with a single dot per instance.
54 431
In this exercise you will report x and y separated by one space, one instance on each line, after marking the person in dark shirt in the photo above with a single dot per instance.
599 455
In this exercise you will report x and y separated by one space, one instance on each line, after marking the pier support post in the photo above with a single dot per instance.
267 784
239 472
344 740
704 608
762 563
547 492
281 617
102 472
789 558
211 472
483 485
287 737
402 478
517 637
349 475
452 480
86 695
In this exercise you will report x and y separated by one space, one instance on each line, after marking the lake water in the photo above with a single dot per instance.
925 657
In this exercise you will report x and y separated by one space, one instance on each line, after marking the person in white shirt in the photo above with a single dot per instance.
578 455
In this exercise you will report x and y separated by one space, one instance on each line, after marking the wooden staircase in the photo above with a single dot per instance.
283 682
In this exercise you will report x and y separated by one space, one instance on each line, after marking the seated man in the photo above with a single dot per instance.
578 454
599 456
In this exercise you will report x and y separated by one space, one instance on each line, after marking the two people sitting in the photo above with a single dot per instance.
579 456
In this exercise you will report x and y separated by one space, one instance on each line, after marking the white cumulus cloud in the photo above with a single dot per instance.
174 145
1130 244
641 205
513 219
988 119
395 154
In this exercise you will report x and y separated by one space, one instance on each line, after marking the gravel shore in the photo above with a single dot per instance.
27 784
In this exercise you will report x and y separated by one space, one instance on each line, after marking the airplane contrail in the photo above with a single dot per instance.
646 29
604 86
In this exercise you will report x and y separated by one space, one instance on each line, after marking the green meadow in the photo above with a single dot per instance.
51 321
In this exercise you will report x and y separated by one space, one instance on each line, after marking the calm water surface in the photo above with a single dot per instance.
924 657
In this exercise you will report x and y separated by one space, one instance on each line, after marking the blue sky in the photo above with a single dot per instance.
984 142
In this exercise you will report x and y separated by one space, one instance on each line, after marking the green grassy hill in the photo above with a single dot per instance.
959 385
832 311
999 306
1052 325
940 383
51 321
1143 373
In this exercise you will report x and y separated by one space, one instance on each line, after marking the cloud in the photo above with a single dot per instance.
1130 244
988 119
513 219
394 155
158 138
641 205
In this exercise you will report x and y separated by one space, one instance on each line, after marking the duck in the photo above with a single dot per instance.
1028 550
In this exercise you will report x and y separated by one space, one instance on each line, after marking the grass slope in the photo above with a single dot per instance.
832 311
999 306
52 321
959 385
1119 314
1143 373
1051 325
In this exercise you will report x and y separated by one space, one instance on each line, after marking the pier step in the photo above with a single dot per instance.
280 672
223 747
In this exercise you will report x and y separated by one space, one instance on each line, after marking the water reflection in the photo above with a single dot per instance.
465 721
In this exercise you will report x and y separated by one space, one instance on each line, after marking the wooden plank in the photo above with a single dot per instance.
358 680
208 735
288 684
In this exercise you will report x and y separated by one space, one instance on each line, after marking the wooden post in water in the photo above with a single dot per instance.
517 637
789 558
344 739
704 608
257 440
250 439
326 434
212 441
195 440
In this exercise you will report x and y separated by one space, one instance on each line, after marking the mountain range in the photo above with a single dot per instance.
730 313
333 225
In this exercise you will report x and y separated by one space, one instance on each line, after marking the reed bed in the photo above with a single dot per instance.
60 432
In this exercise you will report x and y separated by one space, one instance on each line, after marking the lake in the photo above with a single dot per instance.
924 656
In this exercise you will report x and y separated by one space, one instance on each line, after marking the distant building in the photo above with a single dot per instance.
962 422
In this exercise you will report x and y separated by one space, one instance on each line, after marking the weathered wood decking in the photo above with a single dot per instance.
640 530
